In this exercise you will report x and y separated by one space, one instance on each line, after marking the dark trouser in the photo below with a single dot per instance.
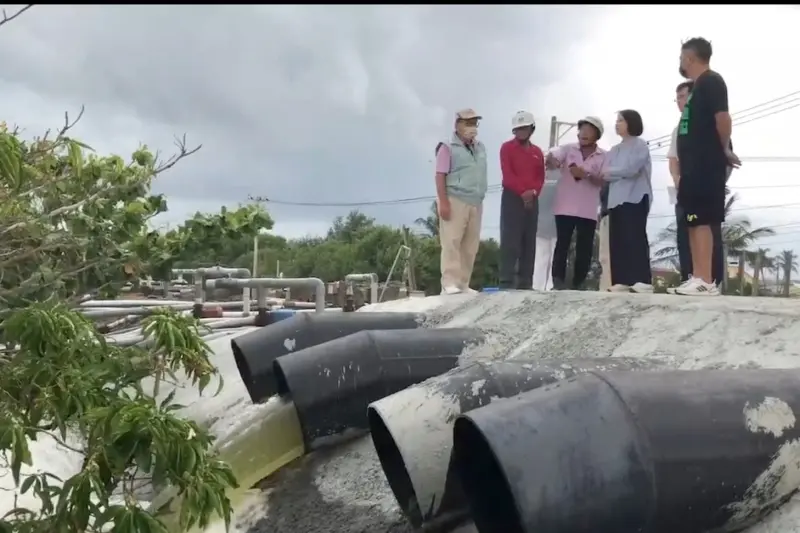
685 253
517 240
628 244
584 246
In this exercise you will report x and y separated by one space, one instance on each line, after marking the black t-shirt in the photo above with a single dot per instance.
700 152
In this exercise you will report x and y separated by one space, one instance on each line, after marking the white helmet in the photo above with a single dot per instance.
594 121
522 119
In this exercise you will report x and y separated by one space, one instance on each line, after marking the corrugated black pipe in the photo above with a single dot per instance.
413 430
331 384
648 452
255 352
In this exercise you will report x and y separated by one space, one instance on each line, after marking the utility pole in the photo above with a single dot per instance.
410 267
556 132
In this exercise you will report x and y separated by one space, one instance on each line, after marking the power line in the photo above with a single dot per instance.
494 188
747 159
744 113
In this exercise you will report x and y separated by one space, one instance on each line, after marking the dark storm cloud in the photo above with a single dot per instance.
296 102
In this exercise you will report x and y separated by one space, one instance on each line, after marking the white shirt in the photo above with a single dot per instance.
673 146
673 154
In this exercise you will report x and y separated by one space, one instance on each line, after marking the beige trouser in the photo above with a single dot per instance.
460 237
605 255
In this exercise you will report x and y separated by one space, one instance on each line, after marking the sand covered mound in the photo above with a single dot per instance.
344 490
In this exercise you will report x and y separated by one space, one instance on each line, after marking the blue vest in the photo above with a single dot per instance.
467 178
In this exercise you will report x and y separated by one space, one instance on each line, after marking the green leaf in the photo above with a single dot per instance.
27 484
168 400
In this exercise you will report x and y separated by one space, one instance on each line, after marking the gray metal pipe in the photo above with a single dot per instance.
219 272
232 323
291 304
183 271
275 283
204 273
106 312
373 283
131 303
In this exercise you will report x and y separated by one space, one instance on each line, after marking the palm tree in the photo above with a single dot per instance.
787 261
667 240
431 222
759 260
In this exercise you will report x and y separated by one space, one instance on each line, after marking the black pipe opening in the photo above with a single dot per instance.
243 366
394 467
280 380
493 504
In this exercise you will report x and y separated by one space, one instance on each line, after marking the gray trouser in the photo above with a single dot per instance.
517 241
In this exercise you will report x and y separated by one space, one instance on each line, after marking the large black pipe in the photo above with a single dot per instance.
650 452
331 384
413 430
255 352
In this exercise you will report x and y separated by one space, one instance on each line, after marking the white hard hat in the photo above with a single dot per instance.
522 119
594 121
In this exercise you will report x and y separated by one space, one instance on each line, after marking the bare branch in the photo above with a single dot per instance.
8 18
69 125
180 143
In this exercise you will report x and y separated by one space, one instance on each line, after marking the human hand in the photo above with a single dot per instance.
528 195
551 162
443 207
733 159
577 172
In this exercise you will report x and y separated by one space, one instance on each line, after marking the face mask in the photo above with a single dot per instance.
470 132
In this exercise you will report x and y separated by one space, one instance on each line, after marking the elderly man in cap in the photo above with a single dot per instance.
460 190
522 164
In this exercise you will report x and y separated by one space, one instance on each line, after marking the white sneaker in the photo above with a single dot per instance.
469 290
451 290
697 287
674 290
619 287
642 287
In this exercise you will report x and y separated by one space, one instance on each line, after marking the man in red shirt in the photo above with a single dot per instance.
522 164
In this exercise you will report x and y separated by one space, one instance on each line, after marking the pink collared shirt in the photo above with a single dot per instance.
577 198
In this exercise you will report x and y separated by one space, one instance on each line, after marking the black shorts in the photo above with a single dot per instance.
702 200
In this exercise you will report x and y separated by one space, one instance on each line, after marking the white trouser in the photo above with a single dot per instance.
604 255
542 268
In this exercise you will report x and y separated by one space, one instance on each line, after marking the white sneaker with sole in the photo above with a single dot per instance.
674 290
451 290
642 287
469 290
697 287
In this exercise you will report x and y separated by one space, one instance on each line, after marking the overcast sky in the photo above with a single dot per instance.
346 103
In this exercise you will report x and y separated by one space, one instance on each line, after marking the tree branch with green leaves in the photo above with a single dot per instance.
64 378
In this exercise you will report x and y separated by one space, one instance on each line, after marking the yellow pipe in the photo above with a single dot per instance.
254 454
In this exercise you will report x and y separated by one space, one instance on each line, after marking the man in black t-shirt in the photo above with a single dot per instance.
704 155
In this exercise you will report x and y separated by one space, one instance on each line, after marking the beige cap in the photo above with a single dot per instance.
594 121
467 114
